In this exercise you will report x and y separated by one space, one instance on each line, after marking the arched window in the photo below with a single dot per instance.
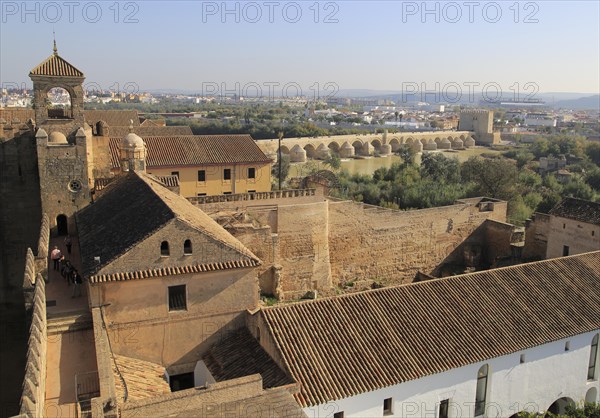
481 391
593 358
164 249
58 104
187 247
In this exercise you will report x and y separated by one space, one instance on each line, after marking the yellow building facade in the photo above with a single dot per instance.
206 165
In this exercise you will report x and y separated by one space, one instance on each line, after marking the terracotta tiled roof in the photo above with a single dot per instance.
113 118
346 345
273 403
192 150
143 379
172 271
238 355
169 181
578 210
56 66
132 208
16 115
146 131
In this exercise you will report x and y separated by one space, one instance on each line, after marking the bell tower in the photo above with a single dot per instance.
64 142
52 73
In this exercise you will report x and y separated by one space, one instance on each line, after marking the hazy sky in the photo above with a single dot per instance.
354 44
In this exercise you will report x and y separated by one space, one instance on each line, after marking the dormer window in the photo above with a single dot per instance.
164 249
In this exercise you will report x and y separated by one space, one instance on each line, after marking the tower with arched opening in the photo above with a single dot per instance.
63 139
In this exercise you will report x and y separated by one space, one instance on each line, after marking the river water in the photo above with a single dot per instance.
369 165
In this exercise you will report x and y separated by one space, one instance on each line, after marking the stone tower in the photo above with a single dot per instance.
63 139
132 152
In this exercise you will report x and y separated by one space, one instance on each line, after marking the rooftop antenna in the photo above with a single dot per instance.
54 36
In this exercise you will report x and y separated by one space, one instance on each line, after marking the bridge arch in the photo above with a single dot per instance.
285 150
395 144
376 144
409 141
334 147
357 147
311 151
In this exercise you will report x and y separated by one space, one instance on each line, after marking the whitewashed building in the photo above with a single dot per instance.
486 344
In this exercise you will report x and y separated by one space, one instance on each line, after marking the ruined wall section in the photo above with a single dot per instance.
389 246
537 230
303 250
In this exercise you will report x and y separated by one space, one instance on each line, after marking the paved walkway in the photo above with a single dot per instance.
70 353
58 292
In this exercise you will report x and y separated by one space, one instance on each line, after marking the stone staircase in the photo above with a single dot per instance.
69 322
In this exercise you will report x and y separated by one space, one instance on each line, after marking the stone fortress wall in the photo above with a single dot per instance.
317 243
34 287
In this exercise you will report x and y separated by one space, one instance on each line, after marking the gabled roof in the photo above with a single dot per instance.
146 131
192 150
351 344
132 208
238 354
578 209
113 117
56 66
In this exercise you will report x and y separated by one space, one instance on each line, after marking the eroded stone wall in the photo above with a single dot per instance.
371 243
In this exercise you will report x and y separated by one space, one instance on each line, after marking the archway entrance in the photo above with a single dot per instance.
559 406
61 225
591 395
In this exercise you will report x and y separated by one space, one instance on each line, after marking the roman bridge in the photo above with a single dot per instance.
349 146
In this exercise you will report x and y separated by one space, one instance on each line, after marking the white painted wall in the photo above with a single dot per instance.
202 375
548 373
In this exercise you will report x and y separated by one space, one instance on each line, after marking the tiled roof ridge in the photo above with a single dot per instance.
343 346
142 238
241 249
66 68
173 270
424 282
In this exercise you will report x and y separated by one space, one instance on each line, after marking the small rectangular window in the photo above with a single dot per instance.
565 250
522 359
201 175
443 412
251 191
177 298
175 173
387 406
227 174
567 345
201 194
226 192
251 173
339 414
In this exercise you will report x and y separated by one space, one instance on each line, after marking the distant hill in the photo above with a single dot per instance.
590 102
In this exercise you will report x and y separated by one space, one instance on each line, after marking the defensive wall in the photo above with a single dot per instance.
317 243
34 288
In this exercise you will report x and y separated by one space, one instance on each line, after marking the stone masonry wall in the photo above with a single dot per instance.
368 242
34 383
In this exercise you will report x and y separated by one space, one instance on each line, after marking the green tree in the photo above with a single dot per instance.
592 150
494 178
407 153
285 168
440 168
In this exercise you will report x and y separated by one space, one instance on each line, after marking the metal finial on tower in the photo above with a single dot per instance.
55 48
130 125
